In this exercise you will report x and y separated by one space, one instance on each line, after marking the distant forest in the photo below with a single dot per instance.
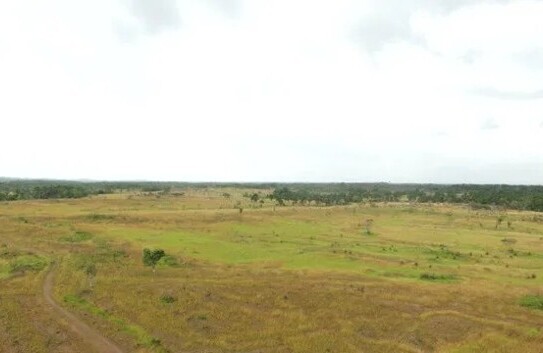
523 197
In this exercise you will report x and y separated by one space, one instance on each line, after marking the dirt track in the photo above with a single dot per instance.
100 343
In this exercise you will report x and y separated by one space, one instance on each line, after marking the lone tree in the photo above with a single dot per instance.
254 197
367 225
152 257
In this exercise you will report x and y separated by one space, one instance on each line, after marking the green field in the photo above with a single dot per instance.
427 278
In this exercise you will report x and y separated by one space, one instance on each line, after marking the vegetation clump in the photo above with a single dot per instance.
167 299
25 263
97 217
532 302
435 277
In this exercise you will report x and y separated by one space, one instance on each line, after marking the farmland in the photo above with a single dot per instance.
247 276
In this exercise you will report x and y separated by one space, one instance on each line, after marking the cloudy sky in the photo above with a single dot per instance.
447 91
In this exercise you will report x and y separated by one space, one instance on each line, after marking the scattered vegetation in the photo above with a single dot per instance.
526 197
291 278
436 277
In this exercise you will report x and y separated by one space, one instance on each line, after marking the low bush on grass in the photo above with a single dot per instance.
167 299
436 277
97 217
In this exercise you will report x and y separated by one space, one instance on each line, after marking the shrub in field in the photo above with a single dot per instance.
436 277
368 223
152 257
167 299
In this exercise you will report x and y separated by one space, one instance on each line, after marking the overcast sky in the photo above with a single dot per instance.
258 90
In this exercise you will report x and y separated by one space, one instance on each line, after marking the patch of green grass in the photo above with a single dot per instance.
4 269
77 237
533 332
168 261
532 302
28 263
142 337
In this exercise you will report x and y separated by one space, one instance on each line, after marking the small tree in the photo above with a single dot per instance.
368 223
152 257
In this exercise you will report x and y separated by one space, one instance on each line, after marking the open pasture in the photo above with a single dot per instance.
268 278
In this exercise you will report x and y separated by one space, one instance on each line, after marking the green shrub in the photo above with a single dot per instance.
167 299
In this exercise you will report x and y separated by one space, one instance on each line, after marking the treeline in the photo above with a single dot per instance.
24 189
522 197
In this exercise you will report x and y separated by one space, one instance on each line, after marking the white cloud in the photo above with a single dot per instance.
259 90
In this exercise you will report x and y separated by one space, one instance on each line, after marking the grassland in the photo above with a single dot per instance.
432 278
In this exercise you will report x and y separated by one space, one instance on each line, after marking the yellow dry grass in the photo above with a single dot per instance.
290 279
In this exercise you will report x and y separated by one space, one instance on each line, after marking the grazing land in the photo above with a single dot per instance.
245 274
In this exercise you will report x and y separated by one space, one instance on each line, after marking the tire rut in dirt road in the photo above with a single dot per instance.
100 343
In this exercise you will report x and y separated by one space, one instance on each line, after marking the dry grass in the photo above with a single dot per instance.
293 279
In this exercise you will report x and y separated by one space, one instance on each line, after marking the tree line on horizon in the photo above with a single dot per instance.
522 197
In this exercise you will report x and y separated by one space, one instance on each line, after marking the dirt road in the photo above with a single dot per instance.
100 343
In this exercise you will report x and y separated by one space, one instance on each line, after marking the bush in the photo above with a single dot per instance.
435 277
167 299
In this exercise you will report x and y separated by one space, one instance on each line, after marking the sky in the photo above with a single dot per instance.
425 91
